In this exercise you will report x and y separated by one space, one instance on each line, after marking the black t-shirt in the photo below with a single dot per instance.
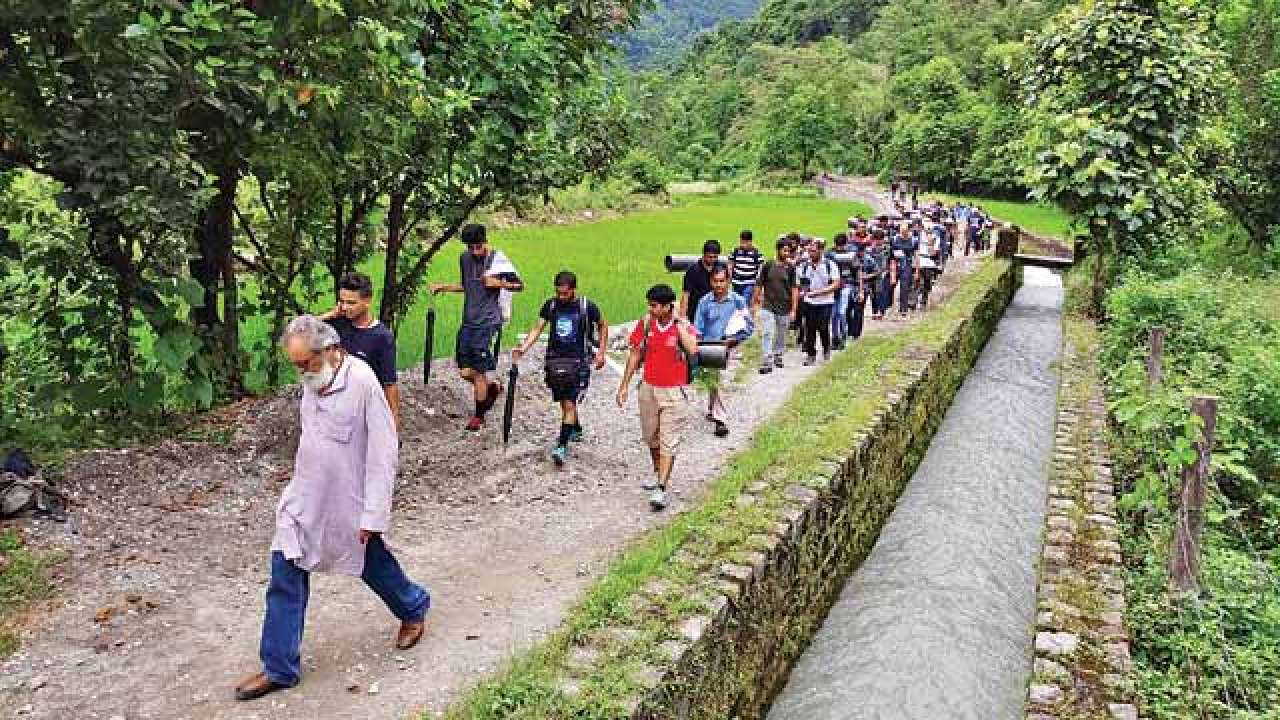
697 282
374 344
565 320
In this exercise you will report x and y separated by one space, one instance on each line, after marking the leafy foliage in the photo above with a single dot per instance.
664 33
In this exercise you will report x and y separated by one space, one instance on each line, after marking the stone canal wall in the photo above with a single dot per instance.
730 655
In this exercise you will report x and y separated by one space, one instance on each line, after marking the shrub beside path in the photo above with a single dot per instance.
160 600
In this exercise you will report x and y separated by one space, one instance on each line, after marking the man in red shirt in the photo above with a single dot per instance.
661 340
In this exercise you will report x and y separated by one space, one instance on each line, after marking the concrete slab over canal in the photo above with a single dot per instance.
937 622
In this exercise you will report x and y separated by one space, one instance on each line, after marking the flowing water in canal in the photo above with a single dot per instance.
937 624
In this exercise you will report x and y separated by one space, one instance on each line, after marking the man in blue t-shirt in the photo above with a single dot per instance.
570 353
364 337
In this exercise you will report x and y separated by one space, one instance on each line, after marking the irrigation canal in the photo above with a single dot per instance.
938 622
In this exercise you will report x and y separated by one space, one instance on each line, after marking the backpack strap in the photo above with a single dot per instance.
583 325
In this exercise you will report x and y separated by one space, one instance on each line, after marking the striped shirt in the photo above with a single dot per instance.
746 265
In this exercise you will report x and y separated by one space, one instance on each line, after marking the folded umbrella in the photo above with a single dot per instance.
509 412
429 350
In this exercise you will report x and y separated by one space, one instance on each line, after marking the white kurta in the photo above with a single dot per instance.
343 474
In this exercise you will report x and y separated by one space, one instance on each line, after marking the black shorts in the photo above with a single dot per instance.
474 349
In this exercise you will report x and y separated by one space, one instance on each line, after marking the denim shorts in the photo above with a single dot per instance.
475 348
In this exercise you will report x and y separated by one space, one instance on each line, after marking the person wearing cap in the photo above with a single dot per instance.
481 284
697 280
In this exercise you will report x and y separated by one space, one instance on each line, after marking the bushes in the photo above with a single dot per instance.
645 170
1216 656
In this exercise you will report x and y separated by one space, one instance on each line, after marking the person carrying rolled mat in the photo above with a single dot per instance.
569 358
722 316
485 273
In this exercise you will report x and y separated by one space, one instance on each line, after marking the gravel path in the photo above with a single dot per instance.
937 622
161 595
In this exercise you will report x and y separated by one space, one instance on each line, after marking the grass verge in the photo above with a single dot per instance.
23 580
815 424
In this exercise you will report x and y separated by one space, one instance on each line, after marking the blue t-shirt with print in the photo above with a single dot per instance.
567 326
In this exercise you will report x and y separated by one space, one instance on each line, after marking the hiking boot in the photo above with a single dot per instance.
721 429
809 360
657 499
475 423
560 455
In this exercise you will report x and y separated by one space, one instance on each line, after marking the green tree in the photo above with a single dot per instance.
797 128
1124 87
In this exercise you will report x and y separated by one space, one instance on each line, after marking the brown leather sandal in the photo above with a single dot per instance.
255 686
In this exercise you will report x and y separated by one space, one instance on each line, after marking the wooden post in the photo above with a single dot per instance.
1184 554
1155 358
1007 240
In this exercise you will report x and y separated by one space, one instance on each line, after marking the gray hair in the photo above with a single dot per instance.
319 334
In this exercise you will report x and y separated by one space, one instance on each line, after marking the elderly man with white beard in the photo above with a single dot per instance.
333 512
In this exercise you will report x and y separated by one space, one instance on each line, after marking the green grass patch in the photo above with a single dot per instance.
815 424
23 580
1039 218
616 260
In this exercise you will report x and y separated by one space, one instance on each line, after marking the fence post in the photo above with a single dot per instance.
1184 553
1155 358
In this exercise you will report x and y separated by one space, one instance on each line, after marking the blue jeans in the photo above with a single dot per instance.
281 646
839 319
773 336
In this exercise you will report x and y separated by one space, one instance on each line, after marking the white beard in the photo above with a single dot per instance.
318 381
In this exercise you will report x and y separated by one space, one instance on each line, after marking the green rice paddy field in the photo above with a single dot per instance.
616 260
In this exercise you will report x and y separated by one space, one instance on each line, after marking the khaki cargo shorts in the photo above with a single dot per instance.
664 415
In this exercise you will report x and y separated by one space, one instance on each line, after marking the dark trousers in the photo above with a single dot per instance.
904 292
817 324
857 312
885 294
281 646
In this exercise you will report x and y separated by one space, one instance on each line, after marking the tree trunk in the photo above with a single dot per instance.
214 268
387 311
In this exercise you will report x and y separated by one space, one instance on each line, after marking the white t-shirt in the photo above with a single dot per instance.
820 275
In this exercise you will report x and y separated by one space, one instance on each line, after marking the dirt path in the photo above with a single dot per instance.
859 189
161 597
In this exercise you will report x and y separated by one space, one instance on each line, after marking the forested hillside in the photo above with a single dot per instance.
851 85
664 34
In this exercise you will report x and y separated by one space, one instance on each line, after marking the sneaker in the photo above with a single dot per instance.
657 499
475 423
560 455
721 429
649 484
766 369
809 360
777 362
576 435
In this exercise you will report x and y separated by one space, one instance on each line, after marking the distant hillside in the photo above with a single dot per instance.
663 35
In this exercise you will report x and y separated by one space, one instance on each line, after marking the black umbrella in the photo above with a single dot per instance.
430 341
509 413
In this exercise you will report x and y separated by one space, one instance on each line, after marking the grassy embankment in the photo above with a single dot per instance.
616 260
23 580
839 399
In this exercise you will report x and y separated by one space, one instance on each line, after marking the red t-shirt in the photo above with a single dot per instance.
664 365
